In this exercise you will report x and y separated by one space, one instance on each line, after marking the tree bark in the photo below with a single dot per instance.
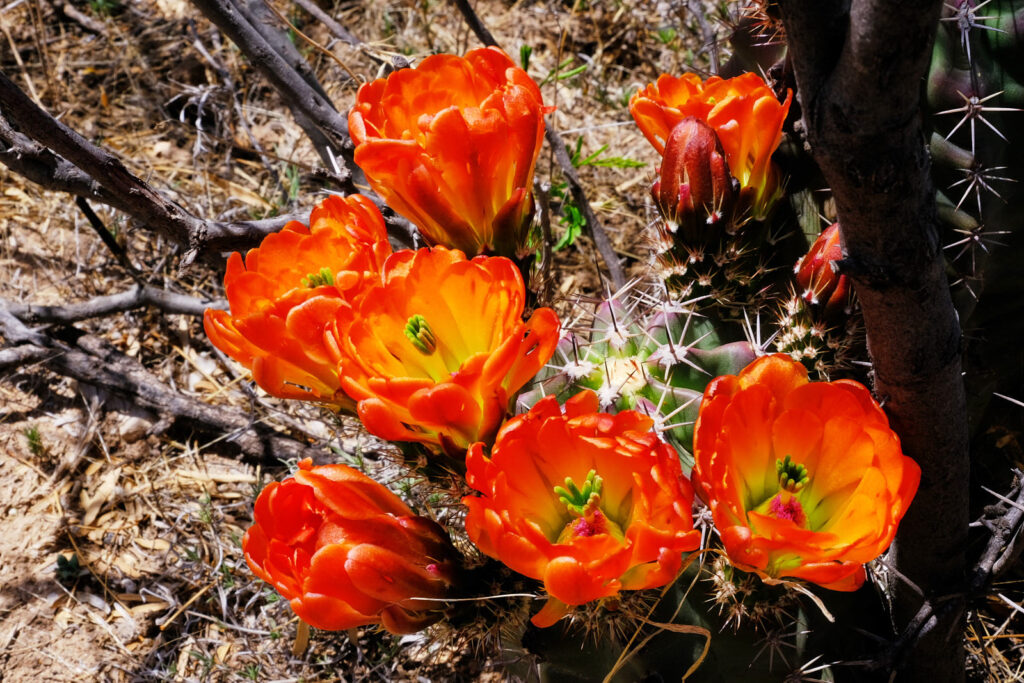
858 67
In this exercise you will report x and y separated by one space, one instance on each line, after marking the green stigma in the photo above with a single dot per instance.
792 477
321 278
420 334
581 502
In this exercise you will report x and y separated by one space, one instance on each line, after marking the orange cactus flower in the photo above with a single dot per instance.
436 352
451 145
744 113
805 480
286 292
621 521
347 552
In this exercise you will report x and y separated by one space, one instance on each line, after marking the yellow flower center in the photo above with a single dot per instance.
792 476
785 503
321 278
584 506
419 333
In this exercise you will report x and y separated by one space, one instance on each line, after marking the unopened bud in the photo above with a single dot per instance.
821 285
696 192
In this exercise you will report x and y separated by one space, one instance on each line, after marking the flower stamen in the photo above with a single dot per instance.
581 502
792 476
321 278
419 333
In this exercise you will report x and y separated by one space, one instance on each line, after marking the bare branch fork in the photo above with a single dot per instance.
252 27
1005 521
93 361
857 66
579 195
137 297
52 155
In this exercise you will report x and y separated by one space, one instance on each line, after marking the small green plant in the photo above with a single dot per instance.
291 174
204 659
252 672
354 458
35 441
104 8
596 159
557 74
666 34
68 569
406 486
572 218
205 513
524 56
227 577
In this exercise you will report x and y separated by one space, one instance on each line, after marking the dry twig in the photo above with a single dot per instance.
93 361
137 297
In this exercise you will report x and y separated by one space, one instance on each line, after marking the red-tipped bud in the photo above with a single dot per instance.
346 552
696 191
821 285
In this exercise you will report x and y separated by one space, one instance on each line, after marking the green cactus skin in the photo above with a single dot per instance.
656 362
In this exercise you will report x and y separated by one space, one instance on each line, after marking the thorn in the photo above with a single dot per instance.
978 179
966 18
972 110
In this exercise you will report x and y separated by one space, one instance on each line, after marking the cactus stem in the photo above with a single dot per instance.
675 425
773 643
681 408
975 238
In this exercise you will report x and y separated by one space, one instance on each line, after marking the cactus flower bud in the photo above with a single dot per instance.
347 552
745 115
696 192
821 285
